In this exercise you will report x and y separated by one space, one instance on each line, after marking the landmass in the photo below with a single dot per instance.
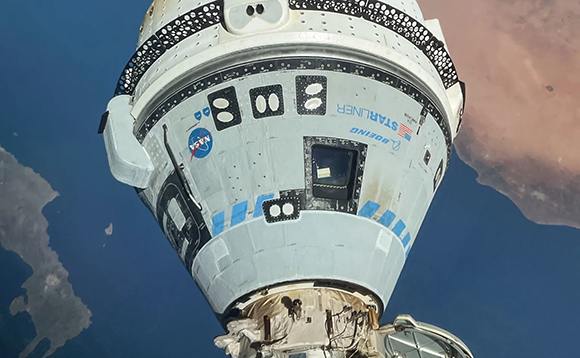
109 230
520 60
56 312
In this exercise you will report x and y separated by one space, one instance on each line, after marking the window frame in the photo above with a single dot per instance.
349 205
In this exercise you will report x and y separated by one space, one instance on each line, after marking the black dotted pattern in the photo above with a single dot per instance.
314 63
170 35
395 20
297 194
212 14
266 92
303 98
229 94
267 205
347 7
315 203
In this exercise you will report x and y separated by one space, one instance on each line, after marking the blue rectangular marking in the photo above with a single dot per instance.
387 219
399 227
258 209
369 209
407 252
406 240
239 212
218 223
407 137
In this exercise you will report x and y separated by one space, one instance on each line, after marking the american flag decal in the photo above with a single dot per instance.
405 132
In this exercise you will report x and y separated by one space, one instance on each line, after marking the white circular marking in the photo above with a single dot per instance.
225 117
274 102
288 209
313 103
313 88
261 104
221 103
275 211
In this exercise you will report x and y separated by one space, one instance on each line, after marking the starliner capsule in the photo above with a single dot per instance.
289 150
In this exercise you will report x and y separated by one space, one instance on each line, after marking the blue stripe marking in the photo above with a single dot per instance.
406 240
258 209
218 223
407 252
387 219
239 213
369 209
399 227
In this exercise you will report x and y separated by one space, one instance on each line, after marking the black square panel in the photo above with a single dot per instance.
311 95
267 101
224 108
282 209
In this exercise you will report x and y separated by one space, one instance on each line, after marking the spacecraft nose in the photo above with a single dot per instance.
288 149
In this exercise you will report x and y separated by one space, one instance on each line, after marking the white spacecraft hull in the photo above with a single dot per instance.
288 144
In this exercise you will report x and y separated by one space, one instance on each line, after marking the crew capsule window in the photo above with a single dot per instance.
333 172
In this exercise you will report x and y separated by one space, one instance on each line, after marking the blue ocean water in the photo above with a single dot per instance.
15 331
142 299
481 270
63 64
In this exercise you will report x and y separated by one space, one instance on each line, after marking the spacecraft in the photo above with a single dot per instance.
289 150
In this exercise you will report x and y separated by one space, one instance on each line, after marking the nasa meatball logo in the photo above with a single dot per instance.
200 143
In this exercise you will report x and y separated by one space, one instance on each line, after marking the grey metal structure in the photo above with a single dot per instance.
290 150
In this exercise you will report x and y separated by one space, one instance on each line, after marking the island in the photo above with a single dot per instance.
56 312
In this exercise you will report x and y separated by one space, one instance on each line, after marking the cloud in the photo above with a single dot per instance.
521 64
109 230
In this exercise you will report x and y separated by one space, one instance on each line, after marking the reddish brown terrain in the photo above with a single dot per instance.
520 60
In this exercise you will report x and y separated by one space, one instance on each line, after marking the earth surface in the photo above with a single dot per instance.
86 272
